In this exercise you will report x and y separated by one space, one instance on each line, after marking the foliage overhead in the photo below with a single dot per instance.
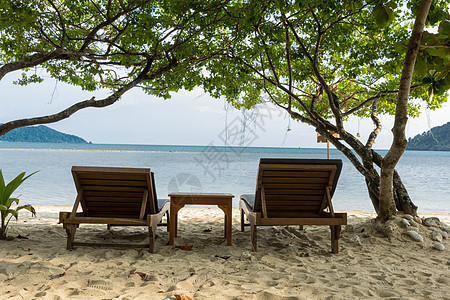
158 45
292 49
108 43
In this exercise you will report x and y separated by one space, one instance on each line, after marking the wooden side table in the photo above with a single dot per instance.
179 200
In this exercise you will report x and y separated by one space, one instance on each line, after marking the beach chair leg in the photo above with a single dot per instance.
108 226
70 230
242 220
176 224
151 237
225 226
168 221
300 227
253 237
335 233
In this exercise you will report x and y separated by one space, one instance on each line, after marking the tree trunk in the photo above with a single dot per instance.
371 159
374 191
403 201
387 204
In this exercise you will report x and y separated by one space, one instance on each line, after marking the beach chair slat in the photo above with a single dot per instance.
295 197
103 182
114 188
293 203
297 192
301 174
293 186
113 194
103 176
295 180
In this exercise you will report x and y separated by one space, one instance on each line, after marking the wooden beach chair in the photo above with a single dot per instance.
294 192
114 197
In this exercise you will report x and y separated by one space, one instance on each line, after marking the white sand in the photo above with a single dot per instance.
290 264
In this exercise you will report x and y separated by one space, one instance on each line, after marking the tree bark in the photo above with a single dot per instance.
387 203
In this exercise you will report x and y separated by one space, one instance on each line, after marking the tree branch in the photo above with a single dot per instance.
373 135
5 128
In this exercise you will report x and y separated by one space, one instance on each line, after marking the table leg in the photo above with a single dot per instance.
228 224
176 225
227 209
173 223
225 228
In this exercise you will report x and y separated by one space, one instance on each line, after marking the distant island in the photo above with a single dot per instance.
40 134
435 139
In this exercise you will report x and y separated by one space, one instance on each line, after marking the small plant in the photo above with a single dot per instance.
6 201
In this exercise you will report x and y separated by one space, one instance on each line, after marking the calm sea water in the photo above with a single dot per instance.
209 169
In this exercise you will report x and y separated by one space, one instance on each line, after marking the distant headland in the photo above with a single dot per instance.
435 139
40 134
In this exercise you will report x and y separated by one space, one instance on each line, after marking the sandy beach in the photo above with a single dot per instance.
289 264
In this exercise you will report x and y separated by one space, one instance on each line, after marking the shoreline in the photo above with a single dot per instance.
361 213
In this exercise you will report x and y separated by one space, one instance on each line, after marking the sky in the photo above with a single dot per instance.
188 118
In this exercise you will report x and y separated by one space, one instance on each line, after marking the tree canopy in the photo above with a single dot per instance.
324 61
294 49
114 44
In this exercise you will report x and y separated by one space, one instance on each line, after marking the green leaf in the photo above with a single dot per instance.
13 212
29 208
447 81
433 51
382 16
430 39
3 207
444 28
10 201
443 52
12 186
421 67
400 47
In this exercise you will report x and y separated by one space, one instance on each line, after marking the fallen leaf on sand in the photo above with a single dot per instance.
223 256
22 237
161 292
62 275
144 276
27 289
304 254
182 297
185 247
207 230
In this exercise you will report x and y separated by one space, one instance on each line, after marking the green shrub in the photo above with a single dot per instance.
6 201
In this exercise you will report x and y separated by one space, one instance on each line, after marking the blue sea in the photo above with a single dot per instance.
211 168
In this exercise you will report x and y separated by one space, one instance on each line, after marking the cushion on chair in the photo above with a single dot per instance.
249 199
155 198
161 203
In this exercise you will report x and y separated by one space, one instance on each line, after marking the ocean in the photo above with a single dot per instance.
209 169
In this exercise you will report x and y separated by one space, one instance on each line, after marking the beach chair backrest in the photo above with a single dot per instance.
115 192
296 188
